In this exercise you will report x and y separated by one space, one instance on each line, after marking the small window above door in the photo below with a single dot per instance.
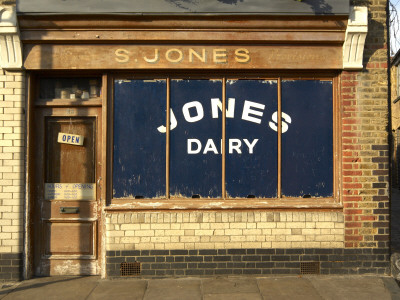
69 90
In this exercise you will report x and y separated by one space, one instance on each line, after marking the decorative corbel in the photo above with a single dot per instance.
356 32
10 44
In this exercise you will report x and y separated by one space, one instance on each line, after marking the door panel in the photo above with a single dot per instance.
67 196
56 233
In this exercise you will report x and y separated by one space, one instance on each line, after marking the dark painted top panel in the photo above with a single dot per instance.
270 7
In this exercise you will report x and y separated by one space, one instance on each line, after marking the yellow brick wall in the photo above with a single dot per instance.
12 161
224 230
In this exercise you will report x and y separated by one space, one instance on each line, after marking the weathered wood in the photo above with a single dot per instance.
60 233
69 240
178 29
220 204
327 23
46 56
184 36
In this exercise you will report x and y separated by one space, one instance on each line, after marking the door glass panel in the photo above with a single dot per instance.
139 139
251 142
195 146
307 145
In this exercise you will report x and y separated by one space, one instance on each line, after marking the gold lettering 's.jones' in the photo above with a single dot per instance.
176 55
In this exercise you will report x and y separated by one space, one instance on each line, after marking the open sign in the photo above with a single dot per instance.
72 139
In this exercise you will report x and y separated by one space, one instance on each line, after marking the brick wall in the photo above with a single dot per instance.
365 140
12 173
224 230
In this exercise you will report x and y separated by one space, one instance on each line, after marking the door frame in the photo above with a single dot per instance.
33 106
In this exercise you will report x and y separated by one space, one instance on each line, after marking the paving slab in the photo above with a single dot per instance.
119 289
230 285
236 296
6 288
392 287
57 288
288 288
350 287
172 289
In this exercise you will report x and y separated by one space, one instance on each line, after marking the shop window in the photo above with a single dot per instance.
252 145
307 145
139 147
195 147
206 152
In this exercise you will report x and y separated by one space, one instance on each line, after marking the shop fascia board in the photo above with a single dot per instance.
185 29
10 44
254 29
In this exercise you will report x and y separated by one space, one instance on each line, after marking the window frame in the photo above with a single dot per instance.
279 202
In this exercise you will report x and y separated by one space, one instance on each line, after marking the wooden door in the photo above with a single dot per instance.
66 202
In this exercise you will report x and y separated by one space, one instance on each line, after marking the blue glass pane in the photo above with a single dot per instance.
307 145
195 144
139 141
251 141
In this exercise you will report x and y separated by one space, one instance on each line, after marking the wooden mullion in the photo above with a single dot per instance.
167 139
336 139
223 150
279 188
108 121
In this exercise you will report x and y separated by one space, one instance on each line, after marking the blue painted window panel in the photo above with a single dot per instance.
251 174
195 172
307 146
139 147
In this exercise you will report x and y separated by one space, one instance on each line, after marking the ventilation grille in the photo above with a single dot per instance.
130 269
309 268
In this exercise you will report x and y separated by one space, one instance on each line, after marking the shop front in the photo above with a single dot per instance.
192 139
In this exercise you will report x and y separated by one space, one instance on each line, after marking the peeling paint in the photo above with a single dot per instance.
72 267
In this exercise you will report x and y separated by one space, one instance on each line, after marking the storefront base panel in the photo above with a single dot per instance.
248 262
11 266
224 230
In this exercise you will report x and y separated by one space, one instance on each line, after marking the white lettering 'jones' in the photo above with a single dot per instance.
216 103
247 110
194 146
252 112
286 120
173 124
199 111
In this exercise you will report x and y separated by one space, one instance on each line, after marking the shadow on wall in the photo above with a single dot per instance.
374 42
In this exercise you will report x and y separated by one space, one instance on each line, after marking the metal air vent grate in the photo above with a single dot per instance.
309 268
130 269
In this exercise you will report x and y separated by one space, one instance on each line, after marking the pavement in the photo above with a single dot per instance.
216 288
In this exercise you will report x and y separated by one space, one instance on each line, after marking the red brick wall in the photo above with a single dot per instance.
365 148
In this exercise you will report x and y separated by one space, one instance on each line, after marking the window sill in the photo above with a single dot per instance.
219 204
69 102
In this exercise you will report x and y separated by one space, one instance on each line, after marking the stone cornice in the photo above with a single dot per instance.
10 44
356 33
